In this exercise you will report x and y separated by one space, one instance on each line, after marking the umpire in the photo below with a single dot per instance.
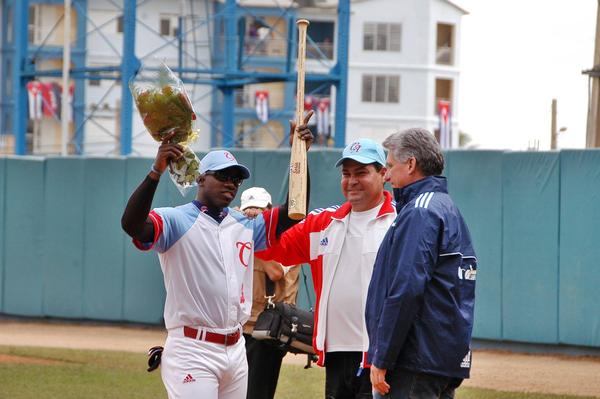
420 302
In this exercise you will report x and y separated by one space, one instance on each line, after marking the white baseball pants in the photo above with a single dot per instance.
196 369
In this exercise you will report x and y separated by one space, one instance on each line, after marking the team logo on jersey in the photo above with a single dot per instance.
355 147
467 274
466 362
242 247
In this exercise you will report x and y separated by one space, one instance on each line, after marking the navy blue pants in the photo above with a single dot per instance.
341 380
264 364
408 385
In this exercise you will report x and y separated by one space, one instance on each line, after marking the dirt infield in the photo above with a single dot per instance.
499 370
26 360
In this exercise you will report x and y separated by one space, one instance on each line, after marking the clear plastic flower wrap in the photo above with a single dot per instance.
165 107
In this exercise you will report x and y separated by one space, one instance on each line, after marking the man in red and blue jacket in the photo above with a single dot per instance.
341 244
420 302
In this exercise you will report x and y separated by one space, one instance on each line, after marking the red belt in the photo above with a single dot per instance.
216 338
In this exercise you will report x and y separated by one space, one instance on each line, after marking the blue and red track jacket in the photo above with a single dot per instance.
420 302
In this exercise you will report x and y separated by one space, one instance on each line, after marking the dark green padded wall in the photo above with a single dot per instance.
534 219
2 233
530 246
63 214
475 184
24 240
579 317
103 266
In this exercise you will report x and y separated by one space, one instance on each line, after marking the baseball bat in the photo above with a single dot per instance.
297 182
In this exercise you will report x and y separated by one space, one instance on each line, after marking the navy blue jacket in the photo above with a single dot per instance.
419 309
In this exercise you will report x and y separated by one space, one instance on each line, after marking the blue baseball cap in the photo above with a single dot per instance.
365 151
221 159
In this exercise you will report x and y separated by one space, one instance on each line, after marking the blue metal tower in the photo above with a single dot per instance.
230 69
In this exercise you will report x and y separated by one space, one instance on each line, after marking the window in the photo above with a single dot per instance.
9 24
8 77
95 82
34 25
443 92
445 46
322 34
120 24
168 25
382 37
165 26
380 89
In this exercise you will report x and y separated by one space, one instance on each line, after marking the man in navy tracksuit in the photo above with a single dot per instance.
419 310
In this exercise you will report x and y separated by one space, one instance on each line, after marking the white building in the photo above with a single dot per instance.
403 59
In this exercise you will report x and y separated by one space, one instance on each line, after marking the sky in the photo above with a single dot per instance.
516 56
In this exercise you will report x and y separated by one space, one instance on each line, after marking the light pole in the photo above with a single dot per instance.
553 131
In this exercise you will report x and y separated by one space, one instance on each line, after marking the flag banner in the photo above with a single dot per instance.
70 96
45 100
56 98
323 117
445 124
261 98
309 105
34 95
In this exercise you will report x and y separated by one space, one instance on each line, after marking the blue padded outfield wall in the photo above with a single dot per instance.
534 217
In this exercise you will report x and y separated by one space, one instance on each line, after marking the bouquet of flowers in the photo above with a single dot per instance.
165 108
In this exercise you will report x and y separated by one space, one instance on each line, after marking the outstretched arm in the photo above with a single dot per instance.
135 220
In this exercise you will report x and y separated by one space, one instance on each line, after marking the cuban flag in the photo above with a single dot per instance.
323 117
34 93
309 104
445 124
261 98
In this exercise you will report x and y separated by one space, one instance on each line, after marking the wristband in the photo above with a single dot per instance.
153 169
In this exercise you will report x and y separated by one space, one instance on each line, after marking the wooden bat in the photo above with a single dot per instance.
297 182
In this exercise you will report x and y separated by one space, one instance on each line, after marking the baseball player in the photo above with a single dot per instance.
205 250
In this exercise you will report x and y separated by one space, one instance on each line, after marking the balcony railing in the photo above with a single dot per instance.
278 47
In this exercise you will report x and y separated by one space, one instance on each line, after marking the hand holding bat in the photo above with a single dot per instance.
303 132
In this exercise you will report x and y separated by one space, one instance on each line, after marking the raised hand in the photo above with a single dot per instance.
167 152
303 131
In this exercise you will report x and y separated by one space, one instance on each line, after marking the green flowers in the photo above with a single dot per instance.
165 108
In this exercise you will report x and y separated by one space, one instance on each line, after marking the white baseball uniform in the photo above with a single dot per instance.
207 268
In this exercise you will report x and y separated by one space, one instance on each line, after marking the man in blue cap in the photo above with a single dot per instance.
206 253
341 243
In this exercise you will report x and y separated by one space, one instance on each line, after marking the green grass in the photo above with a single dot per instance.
97 374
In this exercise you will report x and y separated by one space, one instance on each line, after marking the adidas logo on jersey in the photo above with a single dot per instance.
466 362
324 242
188 378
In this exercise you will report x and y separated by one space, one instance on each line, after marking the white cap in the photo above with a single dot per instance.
255 197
